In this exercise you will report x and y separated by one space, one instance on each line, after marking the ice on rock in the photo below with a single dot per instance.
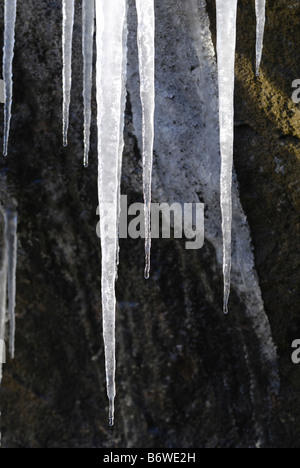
226 45
88 29
3 287
67 37
146 47
10 12
111 57
260 8
8 264
111 38
11 245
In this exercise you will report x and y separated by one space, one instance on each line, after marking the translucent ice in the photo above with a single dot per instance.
226 45
67 36
260 7
111 26
88 29
11 245
10 11
146 46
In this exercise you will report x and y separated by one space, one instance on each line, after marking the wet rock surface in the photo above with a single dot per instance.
186 375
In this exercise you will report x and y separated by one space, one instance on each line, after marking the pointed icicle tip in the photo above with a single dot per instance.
111 416
226 299
147 272
85 156
111 422
260 8
65 141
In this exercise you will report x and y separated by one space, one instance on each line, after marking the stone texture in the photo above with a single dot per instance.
183 379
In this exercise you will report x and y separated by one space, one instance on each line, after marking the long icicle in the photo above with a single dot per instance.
3 287
11 242
260 8
67 37
88 29
10 13
226 45
146 46
110 23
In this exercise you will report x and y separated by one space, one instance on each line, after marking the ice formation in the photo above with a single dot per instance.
111 37
11 245
3 289
226 43
260 8
111 27
68 22
8 263
88 29
10 12
199 175
146 36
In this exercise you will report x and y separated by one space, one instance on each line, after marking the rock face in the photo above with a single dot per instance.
187 376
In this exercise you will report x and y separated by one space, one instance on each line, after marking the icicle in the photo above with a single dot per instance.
3 287
88 29
8 264
11 243
121 141
146 46
226 44
68 22
10 12
110 24
260 7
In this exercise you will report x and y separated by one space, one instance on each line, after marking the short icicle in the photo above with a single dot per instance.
226 45
67 37
88 29
10 12
260 8
111 51
146 46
